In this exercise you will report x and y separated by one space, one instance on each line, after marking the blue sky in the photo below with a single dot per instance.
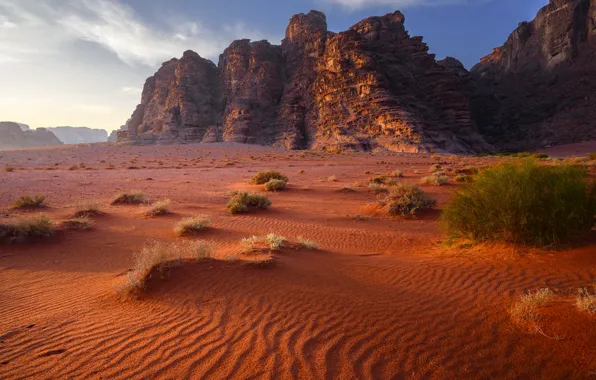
83 62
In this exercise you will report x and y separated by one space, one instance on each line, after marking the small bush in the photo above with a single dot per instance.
377 188
275 185
157 208
540 155
271 242
406 199
463 178
435 180
525 308
467 170
80 223
242 201
524 203
25 229
434 168
586 301
192 224
129 198
28 202
86 208
264 177
379 180
397 173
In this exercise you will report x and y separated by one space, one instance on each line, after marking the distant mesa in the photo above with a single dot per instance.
14 135
79 135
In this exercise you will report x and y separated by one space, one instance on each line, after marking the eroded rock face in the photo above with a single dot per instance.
371 87
13 136
538 89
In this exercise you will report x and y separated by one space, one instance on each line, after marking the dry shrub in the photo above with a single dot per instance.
86 208
129 198
406 199
264 177
157 258
9 169
271 242
27 228
523 203
242 201
435 180
79 223
592 156
397 173
192 224
378 188
586 301
158 208
309 244
275 185
463 178
29 202
525 308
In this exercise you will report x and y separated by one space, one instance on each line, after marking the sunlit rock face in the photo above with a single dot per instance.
371 87
538 88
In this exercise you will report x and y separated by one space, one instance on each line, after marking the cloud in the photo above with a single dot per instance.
358 4
32 28
131 90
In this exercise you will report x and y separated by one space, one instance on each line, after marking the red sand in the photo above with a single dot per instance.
381 299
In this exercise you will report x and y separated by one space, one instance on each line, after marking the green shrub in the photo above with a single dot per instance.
28 202
406 199
242 201
275 185
25 229
524 203
264 177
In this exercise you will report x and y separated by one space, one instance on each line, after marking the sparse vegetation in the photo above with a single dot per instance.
27 228
9 169
242 201
463 178
275 185
586 301
192 224
540 155
86 208
29 202
309 244
524 203
377 188
406 199
332 179
157 208
436 179
592 156
271 242
264 177
129 198
397 173
525 308
79 223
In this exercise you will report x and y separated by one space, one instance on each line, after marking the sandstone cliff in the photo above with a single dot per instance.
371 87
538 88
79 135
13 136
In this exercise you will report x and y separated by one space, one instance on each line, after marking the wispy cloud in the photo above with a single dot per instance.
31 28
358 4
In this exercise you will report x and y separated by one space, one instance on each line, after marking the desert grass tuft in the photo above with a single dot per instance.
192 224
158 208
406 199
275 185
525 308
29 202
263 177
309 244
523 203
129 198
270 242
378 188
586 301
435 180
86 208
242 201
25 229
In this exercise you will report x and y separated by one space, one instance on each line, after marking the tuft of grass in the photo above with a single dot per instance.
435 180
157 258
586 301
129 198
332 178
275 241
379 180
264 177
540 155
309 244
524 203
29 202
525 308
271 242
192 224
79 223
397 173
9 169
406 199
242 201
25 229
158 208
434 168
86 208
378 188
469 170
463 178
275 185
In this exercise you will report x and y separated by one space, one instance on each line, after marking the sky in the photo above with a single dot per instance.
84 62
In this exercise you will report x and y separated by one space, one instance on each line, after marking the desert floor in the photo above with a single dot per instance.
382 298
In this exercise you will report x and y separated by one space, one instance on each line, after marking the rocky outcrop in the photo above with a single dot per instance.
371 87
538 88
79 135
13 136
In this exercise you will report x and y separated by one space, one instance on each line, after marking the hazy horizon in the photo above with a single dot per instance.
84 63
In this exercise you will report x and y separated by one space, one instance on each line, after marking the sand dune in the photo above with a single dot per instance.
381 299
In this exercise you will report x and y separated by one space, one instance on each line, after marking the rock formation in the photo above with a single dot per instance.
539 87
13 136
79 135
371 87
